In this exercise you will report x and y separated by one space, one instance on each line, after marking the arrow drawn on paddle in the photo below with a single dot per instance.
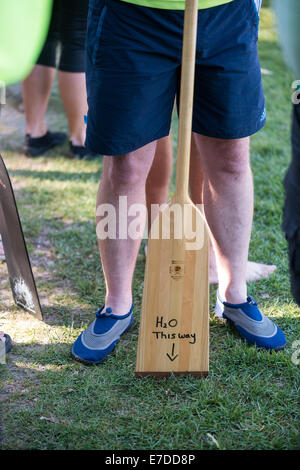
172 358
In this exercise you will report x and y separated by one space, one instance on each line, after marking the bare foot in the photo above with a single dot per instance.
255 272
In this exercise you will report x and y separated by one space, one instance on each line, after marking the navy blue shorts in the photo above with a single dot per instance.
133 73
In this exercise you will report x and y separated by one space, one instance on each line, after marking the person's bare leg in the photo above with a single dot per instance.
157 192
255 271
159 177
1 249
72 90
228 206
2 338
196 181
122 176
36 90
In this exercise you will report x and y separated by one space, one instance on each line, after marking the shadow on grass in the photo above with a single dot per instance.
73 317
37 354
58 353
226 346
75 271
58 175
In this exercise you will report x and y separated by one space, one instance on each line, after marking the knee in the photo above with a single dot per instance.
229 157
124 176
234 165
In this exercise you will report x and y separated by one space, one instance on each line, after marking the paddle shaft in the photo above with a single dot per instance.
181 194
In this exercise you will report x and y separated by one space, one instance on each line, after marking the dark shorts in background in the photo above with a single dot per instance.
291 210
67 28
133 73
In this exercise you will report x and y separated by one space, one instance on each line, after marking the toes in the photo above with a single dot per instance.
257 271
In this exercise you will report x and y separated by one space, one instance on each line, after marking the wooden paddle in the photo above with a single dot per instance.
174 328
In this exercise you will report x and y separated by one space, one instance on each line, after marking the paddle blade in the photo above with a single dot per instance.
18 263
174 328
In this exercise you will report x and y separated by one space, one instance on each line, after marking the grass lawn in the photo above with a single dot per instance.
49 401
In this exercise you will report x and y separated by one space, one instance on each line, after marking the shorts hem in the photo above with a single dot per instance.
70 69
230 136
103 149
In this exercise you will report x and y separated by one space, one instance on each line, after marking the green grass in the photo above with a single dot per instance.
248 401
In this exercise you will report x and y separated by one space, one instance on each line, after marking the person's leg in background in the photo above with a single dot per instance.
68 25
157 192
36 90
291 211
221 203
71 72
159 178
70 85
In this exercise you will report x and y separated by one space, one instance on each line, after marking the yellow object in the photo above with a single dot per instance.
23 29
176 4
